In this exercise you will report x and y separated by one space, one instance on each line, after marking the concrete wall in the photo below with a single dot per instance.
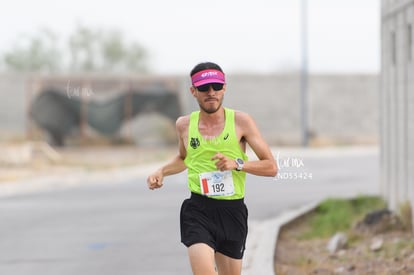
342 108
272 100
397 102
12 106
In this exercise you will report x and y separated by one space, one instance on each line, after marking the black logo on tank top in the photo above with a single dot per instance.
226 136
194 143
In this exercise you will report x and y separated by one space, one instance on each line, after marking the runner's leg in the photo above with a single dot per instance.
227 265
202 259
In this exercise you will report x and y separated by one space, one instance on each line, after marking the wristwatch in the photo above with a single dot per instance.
240 164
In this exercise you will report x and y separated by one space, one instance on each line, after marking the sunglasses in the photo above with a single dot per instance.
204 88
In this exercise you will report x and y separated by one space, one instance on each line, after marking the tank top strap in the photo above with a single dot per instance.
229 126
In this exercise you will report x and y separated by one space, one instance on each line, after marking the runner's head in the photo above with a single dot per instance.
208 86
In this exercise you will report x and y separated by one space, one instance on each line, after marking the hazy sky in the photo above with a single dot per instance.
256 36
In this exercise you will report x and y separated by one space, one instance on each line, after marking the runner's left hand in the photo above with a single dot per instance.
223 162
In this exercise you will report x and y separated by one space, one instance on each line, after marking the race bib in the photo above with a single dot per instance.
217 183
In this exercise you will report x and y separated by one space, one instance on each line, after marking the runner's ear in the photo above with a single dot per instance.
193 91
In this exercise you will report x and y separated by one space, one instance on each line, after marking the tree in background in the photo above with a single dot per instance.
34 54
86 50
104 51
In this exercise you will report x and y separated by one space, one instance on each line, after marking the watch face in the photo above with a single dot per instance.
240 164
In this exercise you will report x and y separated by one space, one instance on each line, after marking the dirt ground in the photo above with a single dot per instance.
297 256
88 158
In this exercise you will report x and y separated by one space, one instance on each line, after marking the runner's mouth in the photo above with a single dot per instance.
210 100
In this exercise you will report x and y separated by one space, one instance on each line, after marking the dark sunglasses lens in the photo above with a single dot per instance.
217 86
206 87
203 88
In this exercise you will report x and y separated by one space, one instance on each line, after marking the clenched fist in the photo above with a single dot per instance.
155 180
223 162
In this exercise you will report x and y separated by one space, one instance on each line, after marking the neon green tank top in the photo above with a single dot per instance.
201 150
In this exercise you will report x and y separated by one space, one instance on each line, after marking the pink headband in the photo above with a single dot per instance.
208 76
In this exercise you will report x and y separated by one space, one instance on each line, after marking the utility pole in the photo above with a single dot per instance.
304 75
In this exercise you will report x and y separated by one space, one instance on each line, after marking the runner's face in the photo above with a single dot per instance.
211 100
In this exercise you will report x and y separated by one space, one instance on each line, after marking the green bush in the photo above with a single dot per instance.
334 215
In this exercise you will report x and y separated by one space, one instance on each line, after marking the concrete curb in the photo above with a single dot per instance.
262 241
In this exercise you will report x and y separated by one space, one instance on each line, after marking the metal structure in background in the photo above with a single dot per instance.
63 105
396 104
304 75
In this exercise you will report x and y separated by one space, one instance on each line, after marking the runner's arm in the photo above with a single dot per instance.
175 166
266 164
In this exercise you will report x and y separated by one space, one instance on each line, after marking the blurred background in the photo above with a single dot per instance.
93 85
90 86
91 73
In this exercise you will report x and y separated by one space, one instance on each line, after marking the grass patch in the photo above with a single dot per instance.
334 215
405 212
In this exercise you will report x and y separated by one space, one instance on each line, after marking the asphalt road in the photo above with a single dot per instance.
124 228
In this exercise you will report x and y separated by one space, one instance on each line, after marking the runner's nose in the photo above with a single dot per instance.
210 90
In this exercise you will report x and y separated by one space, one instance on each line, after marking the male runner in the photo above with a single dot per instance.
212 146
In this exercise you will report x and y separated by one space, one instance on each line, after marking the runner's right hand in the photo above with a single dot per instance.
155 180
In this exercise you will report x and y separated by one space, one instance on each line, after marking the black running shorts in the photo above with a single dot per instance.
221 224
